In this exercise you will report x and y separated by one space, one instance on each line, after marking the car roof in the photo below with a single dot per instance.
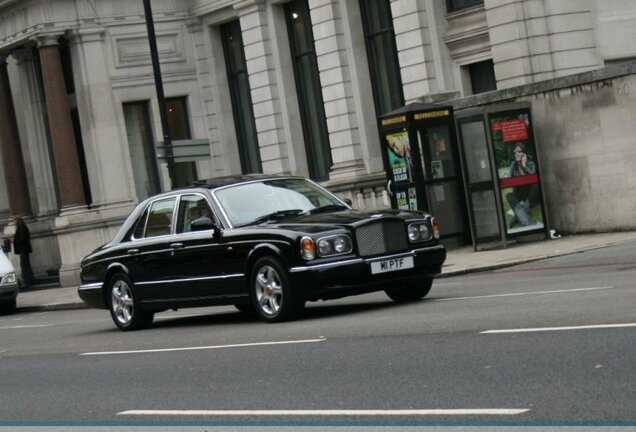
217 182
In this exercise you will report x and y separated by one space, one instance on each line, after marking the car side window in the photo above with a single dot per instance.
140 225
160 218
191 208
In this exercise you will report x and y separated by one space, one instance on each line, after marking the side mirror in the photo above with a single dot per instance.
348 201
202 224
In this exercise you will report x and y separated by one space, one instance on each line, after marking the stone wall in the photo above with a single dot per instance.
585 131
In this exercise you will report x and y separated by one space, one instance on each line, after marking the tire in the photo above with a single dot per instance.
124 306
271 293
9 307
247 309
410 291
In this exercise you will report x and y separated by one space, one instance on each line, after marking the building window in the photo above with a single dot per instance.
238 80
177 112
482 77
456 5
309 91
384 66
142 151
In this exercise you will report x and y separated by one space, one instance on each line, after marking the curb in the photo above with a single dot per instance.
52 307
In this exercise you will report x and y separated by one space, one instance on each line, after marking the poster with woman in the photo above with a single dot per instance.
517 171
399 156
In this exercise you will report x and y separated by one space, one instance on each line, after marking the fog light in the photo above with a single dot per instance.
307 248
435 226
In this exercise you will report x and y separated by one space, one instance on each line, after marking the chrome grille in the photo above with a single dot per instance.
381 237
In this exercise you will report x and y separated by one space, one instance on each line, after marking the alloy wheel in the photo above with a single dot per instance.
269 290
122 303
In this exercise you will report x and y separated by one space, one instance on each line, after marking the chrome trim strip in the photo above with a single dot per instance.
427 249
91 286
327 265
411 253
187 299
170 281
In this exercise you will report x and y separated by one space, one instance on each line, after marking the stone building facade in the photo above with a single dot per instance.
252 85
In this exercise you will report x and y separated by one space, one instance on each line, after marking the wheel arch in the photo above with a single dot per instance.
264 249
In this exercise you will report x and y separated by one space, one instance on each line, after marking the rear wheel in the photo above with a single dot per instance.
410 291
124 306
271 293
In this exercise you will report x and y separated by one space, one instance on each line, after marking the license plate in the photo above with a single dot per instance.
390 265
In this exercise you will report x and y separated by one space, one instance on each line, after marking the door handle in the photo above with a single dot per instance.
133 251
176 245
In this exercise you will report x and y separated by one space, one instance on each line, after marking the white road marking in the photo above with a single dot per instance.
445 284
545 329
203 347
398 412
525 293
26 326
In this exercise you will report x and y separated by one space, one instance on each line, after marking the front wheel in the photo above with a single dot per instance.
9 307
271 293
124 306
410 291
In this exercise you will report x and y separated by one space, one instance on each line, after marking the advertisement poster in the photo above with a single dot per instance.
412 199
518 177
402 200
399 156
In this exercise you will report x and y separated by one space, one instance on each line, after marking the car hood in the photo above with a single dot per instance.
5 265
344 218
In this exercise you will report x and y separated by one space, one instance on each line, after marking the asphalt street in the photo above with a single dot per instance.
550 341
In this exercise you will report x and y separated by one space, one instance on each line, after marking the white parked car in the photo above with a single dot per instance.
8 285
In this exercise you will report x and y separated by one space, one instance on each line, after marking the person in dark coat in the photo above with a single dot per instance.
22 247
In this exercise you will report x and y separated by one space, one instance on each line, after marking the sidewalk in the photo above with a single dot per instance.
459 261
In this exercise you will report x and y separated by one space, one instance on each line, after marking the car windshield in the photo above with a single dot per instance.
256 202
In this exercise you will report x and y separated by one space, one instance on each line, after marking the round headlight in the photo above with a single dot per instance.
414 233
424 231
340 245
324 247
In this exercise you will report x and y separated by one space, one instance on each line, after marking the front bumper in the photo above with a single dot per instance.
92 295
353 276
9 291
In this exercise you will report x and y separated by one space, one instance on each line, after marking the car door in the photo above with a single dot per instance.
199 257
150 255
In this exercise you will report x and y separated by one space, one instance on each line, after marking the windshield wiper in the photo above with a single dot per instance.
275 215
328 208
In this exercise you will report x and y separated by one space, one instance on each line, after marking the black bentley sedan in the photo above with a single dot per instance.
266 244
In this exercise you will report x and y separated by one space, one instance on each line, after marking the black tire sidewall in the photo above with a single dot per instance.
410 291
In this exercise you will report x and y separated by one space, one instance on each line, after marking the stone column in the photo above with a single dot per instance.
104 138
263 85
33 130
12 158
60 123
337 91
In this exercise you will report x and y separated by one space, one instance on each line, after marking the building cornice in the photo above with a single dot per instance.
7 3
